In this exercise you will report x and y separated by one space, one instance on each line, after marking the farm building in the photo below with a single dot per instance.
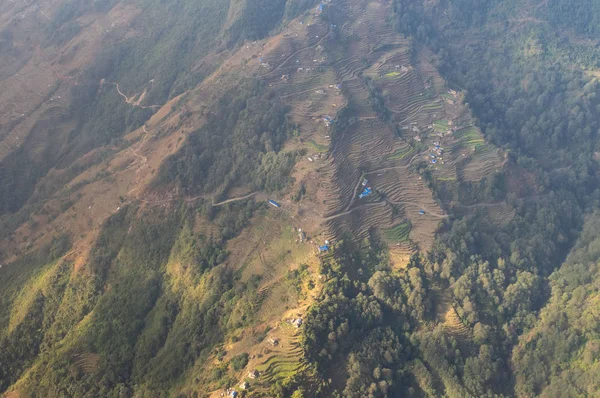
365 192
273 203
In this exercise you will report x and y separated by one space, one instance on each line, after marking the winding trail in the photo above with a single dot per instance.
383 201
129 100
141 144
44 14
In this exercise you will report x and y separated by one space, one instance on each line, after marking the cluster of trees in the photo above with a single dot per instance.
546 118
361 321
582 17
240 143
559 355
497 276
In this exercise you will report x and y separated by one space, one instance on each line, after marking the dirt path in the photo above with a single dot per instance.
358 184
164 201
44 14
194 198
420 206
130 101
136 150
234 199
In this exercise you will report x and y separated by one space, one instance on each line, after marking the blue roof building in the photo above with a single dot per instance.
324 248
273 203
365 192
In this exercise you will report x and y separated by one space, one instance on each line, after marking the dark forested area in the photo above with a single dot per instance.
502 280
362 323
240 143
559 356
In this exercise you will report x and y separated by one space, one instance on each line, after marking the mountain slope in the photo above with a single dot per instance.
141 143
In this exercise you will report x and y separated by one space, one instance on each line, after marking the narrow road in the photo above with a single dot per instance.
234 199
354 193
194 198
160 201
420 206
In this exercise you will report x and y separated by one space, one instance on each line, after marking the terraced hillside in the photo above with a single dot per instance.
368 130
368 110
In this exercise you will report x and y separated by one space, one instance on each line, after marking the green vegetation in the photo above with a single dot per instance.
488 281
239 362
494 309
320 148
398 233
441 125
244 150
559 355
362 322
401 153
470 138
143 301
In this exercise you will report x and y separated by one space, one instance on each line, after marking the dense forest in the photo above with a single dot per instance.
244 132
525 310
